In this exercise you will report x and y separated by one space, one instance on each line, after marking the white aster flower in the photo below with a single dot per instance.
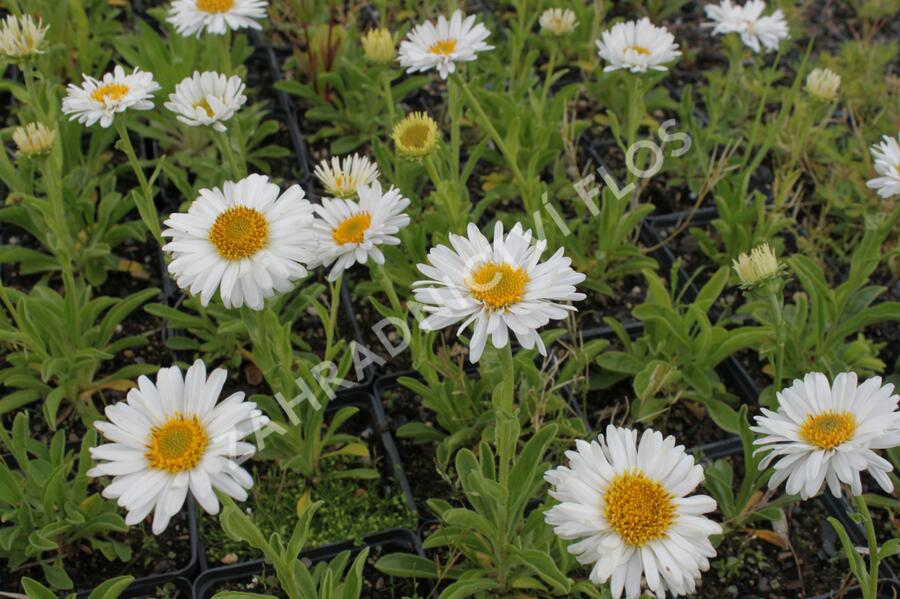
499 287
171 438
823 83
823 434
22 37
441 46
757 267
887 164
216 16
340 178
638 46
207 98
757 32
558 21
102 100
248 240
348 232
628 504
34 139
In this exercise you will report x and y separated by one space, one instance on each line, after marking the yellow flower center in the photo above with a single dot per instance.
343 185
353 229
638 508
898 167
215 6
110 91
204 104
239 232
443 47
639 50
498 286
177 445
828 429
415 135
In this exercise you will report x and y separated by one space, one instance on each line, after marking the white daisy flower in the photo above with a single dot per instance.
171 438
823 83
441 46
102 100
558 21
500 288
248 240
34 139
216 16
638 46
628 504
823 434
887 164
340 178
207 98
349 232
758 33
22 38
758 266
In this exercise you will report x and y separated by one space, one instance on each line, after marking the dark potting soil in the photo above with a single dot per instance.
419 459
376 585
813 565
352 507
152 554
627 294
686 420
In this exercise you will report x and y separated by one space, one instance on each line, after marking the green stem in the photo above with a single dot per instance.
551 63
36 104
225 53
778 327
504 398
872 591
635 110
388 286
55 196
333 316
432 171
475 105
455 111
144 200
237 171
388 94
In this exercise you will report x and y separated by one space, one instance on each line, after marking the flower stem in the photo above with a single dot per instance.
52 181
635 110
144 200
475 105
872 591
455 112
432 172
504 394
388 94
331 327
225 52
36 104
387 285
778 328
551 63
237 171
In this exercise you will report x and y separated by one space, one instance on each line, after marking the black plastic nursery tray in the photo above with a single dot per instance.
393 477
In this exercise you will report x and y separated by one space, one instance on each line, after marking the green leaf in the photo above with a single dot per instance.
406 565
112 588
617 361
36 590
461 589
